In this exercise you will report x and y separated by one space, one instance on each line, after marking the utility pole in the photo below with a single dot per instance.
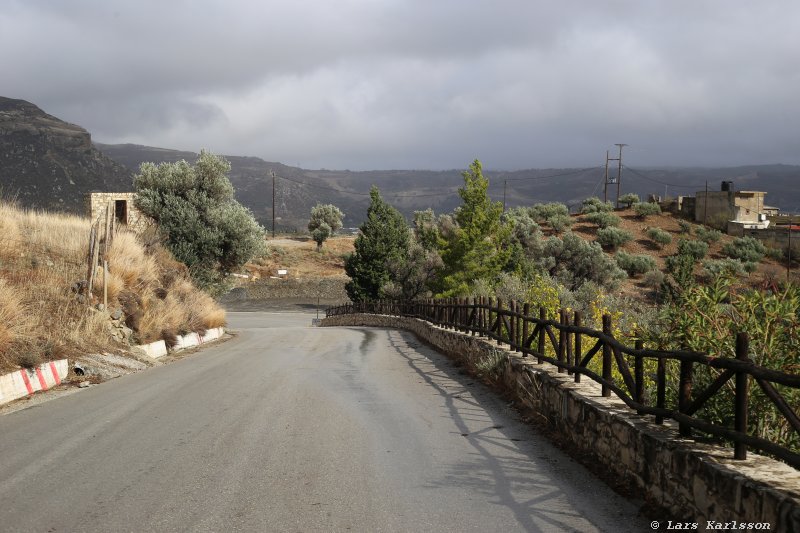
789 254
619 170
505 183
273 204
605 184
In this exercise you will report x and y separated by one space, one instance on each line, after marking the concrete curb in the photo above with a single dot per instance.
24 382
158 349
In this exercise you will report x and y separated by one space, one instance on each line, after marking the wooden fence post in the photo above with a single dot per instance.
638 371
685 395
606 356
526 309
542 318
740 416
577 319
562 344
661 387
499 321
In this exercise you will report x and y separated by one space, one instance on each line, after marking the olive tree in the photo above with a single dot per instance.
198 218
325 220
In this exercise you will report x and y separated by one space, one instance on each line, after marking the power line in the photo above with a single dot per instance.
354 193
571 173
638 173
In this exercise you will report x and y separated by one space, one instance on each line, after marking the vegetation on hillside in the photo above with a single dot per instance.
700 303
44 313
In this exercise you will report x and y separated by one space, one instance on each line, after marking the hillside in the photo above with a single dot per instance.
45 313
297 190
306 266
51 164
46 163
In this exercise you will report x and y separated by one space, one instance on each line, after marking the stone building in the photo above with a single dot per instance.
124 210
745 209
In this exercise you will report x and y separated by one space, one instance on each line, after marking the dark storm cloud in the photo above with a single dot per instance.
414 84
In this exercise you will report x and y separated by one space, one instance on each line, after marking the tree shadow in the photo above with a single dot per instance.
511 464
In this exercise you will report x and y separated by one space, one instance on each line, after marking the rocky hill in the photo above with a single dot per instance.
47 163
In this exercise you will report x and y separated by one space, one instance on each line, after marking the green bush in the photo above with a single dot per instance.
560 223
745 249
603 219
198 218
635 264
685 227
613 237
593 205
574 261
646 209
695 249
713 268
629 199
708 235
659 236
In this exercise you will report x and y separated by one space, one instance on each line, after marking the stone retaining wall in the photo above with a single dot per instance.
691 481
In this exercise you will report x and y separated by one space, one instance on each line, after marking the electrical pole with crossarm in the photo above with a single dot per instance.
619 170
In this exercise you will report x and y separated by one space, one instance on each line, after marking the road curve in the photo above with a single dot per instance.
293 428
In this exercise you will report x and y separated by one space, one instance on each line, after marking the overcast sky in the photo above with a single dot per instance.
377 84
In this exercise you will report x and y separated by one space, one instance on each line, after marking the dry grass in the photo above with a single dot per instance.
42 255
300 257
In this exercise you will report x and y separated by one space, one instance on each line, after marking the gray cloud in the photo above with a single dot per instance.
418 84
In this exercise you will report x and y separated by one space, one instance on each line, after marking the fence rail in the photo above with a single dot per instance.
514 325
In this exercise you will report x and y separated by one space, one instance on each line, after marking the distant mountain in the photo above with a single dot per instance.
297 190
46 163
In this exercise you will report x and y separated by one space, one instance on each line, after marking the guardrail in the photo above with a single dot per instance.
514 325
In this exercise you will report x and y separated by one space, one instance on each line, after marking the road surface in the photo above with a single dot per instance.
293 428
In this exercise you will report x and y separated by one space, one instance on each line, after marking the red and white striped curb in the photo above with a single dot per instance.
26 381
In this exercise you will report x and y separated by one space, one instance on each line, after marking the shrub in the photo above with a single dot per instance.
646 209
685 227
745 249
635 264
708 235
713 268
696 249
629 199
574 261
659 236
593 205
777 254
201 223
603 219
613 237
653 279
559 223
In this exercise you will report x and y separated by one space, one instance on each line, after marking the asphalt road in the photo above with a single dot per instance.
293 428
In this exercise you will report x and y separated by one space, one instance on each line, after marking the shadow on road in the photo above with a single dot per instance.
530 464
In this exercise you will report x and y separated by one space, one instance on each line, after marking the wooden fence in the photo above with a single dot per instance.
513 324
100 237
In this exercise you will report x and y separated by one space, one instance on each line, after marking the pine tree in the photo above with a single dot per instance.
384 238
479 246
